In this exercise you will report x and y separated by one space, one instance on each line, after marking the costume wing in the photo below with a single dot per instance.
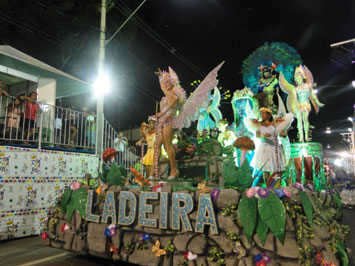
292 102
190 111
252 126
282 109
309 76
214 111
287 148
285 122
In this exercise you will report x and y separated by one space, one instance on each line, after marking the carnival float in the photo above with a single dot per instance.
238 194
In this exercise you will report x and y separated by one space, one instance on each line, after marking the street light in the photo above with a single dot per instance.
102 85
328 131
353 83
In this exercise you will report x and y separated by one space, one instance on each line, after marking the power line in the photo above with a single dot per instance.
147 29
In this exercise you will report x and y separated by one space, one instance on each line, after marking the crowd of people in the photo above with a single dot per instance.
63 126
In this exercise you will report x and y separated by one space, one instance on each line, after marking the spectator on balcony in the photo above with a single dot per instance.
13 115
31 110
91 129
58 122
81 125
71 125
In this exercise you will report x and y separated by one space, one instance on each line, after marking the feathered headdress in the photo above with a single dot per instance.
171 75
274 56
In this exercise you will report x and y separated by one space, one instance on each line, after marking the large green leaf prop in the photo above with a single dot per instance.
247 214
103 175
115 177
229 172
307 206
77 202
65 199
244 176
272 212
237 177
261 230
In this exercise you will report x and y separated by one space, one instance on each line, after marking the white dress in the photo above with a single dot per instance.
269 155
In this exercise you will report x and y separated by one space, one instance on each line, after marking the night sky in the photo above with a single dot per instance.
205 32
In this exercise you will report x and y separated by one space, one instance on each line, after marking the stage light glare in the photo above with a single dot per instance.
350 119
353 83
350 129
337 162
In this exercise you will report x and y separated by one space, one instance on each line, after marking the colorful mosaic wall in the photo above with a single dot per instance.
31 181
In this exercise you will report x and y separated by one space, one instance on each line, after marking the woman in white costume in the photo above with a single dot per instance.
269 156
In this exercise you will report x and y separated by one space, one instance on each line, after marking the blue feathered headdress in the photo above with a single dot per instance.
280 54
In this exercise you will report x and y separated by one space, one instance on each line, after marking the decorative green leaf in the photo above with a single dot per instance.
244 176
342 254
307 206
114 177
236 177
104 173
77 202
229 172
123 170
262 230
272 212
247 213
65 199
338 200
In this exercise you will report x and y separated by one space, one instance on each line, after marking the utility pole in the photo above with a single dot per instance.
100 97
101 70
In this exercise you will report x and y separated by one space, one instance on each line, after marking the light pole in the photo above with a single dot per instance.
101 73
352 139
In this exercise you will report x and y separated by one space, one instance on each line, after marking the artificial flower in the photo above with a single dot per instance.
310 186
144 237
44 235
261 263
263 192
158 187
75 185
113 248
189 255
258 257
298 185
250 192
266 257
215 193
287 192
280 192
65 227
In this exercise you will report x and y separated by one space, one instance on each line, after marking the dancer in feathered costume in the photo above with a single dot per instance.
261 69
298 99
177 112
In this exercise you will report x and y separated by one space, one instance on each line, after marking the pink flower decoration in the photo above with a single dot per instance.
215 193
287 192
75 185
250 192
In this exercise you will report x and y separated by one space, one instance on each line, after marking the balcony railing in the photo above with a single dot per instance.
42 125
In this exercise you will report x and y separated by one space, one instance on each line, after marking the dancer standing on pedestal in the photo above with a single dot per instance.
178 112
269 156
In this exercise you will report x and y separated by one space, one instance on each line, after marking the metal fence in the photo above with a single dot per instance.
127 155
43 125
40 124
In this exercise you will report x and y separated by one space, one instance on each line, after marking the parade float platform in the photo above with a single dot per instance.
181 223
